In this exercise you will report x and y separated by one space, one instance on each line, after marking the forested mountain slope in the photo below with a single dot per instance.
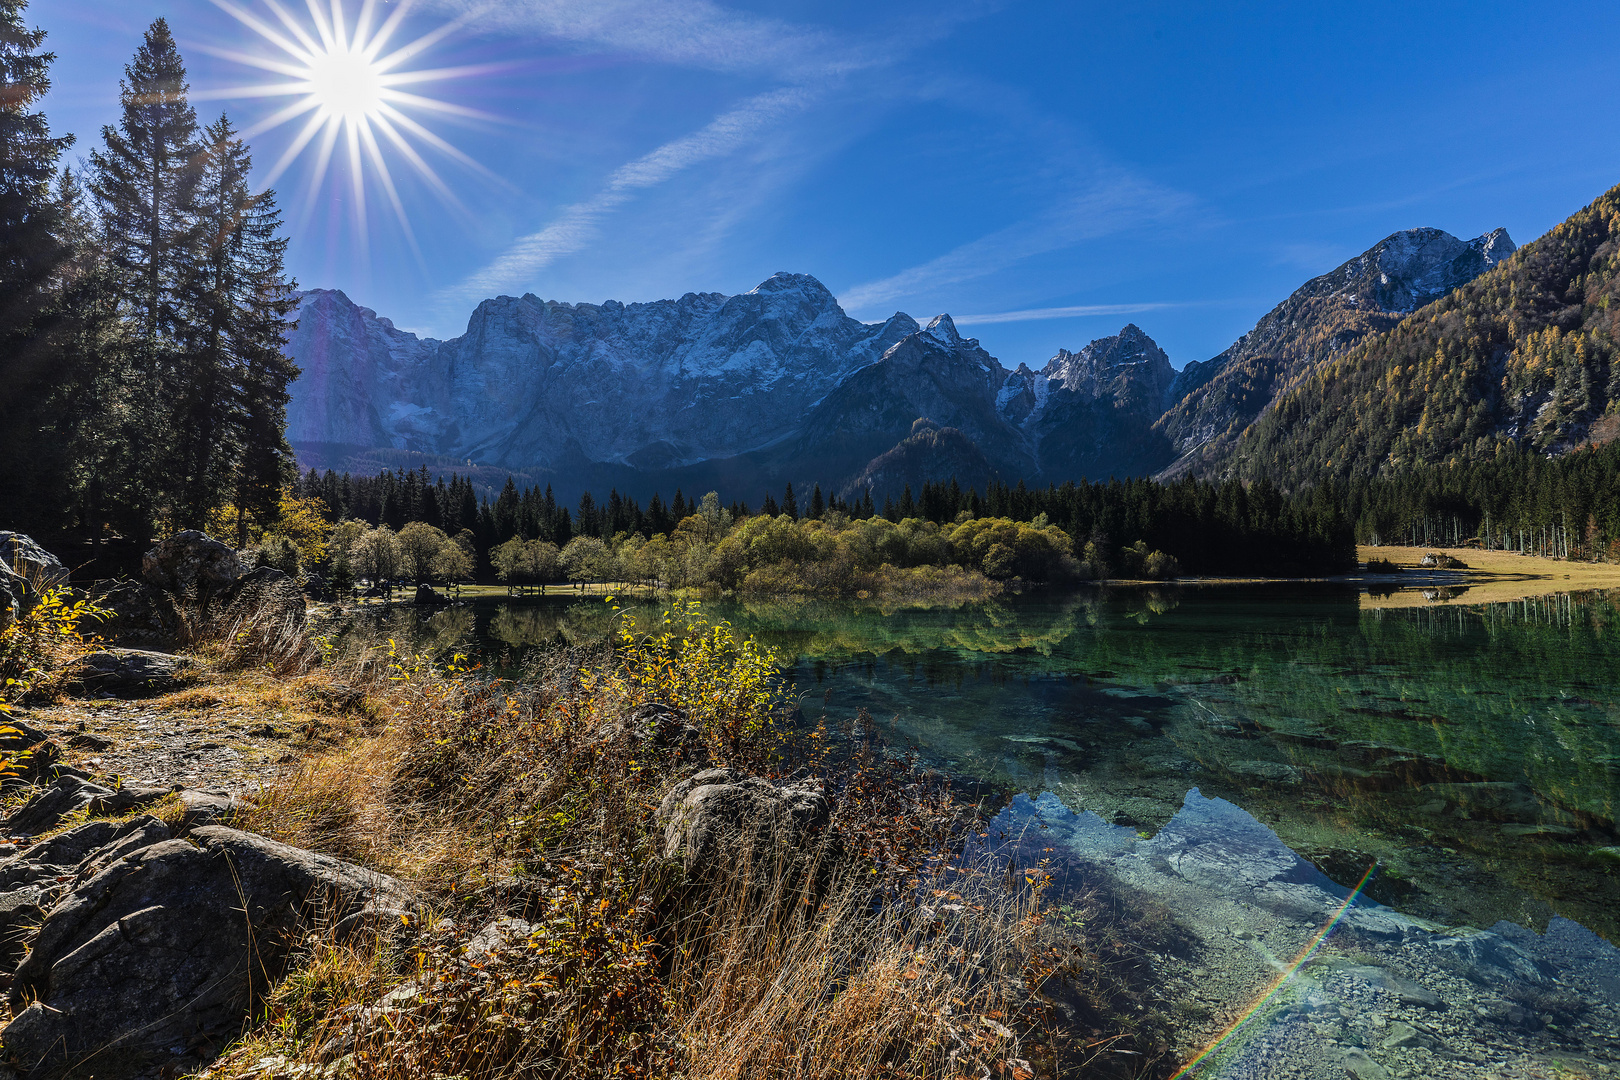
1213 401
1522 355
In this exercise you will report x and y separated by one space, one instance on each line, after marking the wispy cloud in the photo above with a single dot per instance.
1110 205
577 225
1074 312
689 33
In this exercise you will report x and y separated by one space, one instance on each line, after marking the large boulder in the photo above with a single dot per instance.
152 964
26 570
140 615
191 564
265 599
128 672
23 556
717 820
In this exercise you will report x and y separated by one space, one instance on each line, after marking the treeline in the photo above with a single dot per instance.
142 305
1564 507
1134 528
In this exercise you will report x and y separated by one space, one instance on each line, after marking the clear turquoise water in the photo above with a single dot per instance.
1473 751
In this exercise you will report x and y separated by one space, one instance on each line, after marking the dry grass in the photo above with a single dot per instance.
1490 576
536 800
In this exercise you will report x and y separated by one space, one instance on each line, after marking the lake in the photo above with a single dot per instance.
1471 752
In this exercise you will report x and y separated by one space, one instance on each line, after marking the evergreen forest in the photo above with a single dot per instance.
143 302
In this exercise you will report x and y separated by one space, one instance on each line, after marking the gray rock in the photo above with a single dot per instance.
265 600
45 811
1403 1035
717 818
1358 1064
127 798
204 808
141 615
191 564
1491 800
34 755
22 556
13 595
154 962
129 672
1267 772
61 852
426 595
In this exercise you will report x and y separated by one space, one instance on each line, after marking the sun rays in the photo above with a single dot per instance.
350 98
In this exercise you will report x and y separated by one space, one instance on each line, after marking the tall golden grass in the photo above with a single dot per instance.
880 956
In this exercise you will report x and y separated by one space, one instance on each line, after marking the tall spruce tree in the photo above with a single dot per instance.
33 250
231 411
145 183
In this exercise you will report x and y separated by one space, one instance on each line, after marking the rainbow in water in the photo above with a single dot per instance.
1277 984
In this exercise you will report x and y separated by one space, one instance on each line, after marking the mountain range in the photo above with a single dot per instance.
747 392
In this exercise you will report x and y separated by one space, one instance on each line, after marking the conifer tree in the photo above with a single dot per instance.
145 184
146 181
33 249
232 410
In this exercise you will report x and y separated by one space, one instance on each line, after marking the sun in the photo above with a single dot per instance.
346 87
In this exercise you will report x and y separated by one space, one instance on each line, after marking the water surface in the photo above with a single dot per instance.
1472 752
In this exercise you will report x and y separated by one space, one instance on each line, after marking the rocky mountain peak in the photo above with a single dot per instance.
943 330
1414 267
802 284
1102 360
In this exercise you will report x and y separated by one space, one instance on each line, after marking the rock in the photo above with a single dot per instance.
191 564
1267 772
31 883
204 808
33 754
13 595
127 798
1402 1035
1491 800
47 810
267 600
128 672
718 818
667 729
142 616
426 595
86 741
26 571
502 935
153 963
1404 990
1358 1064
25 558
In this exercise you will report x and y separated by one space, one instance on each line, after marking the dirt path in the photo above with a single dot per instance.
222 734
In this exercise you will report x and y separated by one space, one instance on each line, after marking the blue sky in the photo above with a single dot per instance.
1045 172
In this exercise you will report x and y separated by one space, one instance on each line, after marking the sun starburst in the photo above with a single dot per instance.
348 85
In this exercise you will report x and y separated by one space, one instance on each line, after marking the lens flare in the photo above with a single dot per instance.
345 85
